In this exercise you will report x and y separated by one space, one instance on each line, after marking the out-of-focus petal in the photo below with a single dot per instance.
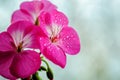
35 7
48 6
69 40
32 7
55 54
25 64
31 10
6 42
6 59
21 15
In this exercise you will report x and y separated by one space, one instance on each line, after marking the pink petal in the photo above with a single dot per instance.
44 42
48 6
32 7
23 31
20 26
31 39
52 19
59 18
47 18
5 62
39 32
55 54
36 7
25 64
21 15
6 42
45 21
69 40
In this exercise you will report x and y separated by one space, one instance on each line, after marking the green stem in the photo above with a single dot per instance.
49 72
36 76
45 63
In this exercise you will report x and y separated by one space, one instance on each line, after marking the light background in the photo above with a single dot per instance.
98 25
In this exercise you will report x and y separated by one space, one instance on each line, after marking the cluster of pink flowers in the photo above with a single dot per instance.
36 25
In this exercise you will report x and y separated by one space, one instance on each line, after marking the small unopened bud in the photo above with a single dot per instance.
49 74
42 68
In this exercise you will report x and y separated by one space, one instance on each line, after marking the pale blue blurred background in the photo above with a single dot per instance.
98 25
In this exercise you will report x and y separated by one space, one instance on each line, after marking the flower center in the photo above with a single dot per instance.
53 32
37 23
19 48
54 39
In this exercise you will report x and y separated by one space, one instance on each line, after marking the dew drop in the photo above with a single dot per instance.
40 38
45 44
67 36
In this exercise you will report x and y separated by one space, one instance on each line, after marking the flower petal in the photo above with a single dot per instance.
48 6
21 15
25 64
46 18
69 40
44 42
24 31
55 54
45 21
32 7
54 17
35 7
6 42
5 62
59 18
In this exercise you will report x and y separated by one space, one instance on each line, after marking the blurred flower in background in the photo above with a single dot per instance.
97 22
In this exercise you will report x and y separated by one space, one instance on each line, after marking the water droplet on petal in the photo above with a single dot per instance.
67 36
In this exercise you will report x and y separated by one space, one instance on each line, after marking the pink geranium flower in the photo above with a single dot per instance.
59 39
32 10
16 60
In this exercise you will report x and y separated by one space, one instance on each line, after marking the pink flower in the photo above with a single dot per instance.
59 39
16 59
32 10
